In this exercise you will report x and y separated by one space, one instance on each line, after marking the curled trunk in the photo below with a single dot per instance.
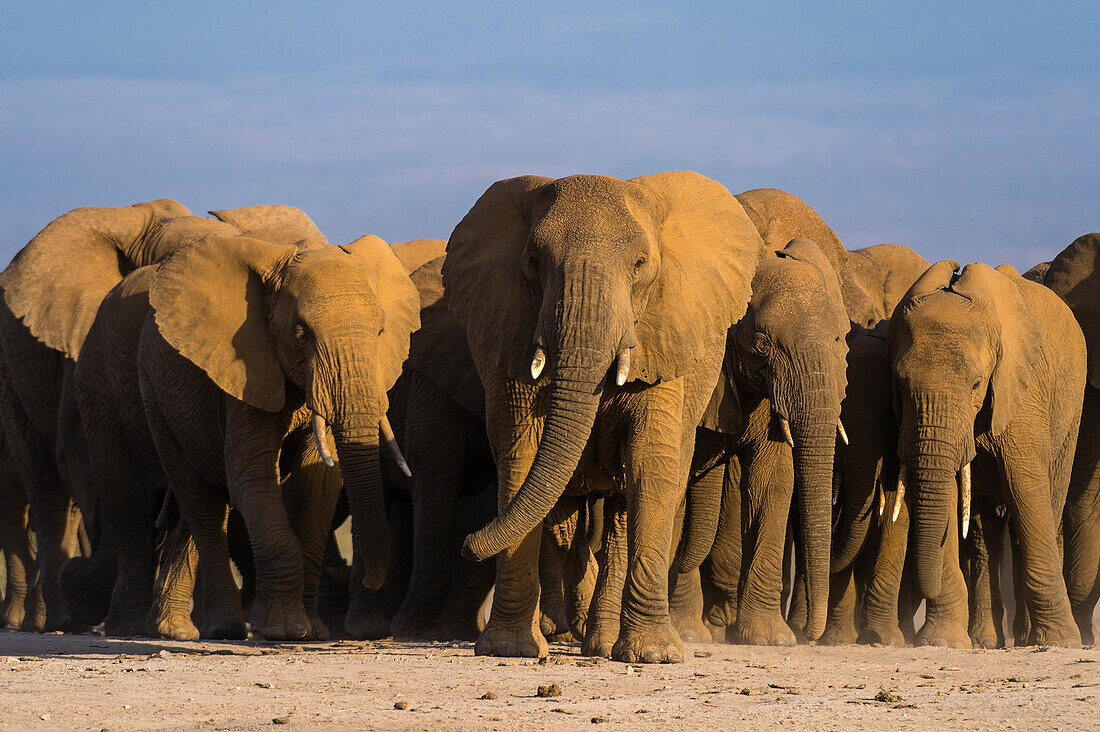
570 414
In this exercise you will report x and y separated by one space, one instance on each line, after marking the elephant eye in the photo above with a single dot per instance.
301 334
760 344
532 261
640 262
976 385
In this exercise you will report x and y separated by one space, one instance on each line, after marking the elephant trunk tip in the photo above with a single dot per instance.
477 547
374 578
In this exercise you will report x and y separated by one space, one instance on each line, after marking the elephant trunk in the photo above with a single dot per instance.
932 474
704 506
814 434
576 381
860 469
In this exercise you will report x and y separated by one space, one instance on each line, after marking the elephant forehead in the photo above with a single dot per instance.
592 208
319 276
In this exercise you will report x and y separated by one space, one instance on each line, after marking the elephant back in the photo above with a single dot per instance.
780 216
1074 277
439 350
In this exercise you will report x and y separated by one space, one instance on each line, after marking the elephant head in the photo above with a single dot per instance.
329 324
790 348
964 349
588 273
780 216
57 281
1074 276
874 279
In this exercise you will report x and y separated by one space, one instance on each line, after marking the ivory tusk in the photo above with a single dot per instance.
840 429
391 443
881 497
538 362
786 429
623 369
965 475
320 437
901 493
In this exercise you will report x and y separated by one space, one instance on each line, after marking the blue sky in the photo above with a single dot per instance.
966 130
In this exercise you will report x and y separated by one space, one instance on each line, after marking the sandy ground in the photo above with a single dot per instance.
92 683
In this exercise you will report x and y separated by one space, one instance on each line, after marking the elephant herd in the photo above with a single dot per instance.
630 412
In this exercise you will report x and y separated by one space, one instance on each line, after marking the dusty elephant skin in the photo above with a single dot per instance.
1074 276
989 371
52 290
596 310
261 338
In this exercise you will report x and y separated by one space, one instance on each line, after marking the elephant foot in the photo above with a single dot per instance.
717 632
221 624
554 630
318 631
983 634
413 626
649 644
1064 635
761 630
691 629
944 633
64 623
721 615
13 612
279 619
886 634
87 595
174 625
366 623
126 624
458 629
34 617
1083 618
600 636
523 639
839 633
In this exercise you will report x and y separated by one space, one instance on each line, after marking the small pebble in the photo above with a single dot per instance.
488 695
401 705
166 654
281 720
549 690
599 720
44 717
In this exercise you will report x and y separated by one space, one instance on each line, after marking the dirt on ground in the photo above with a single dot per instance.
92 683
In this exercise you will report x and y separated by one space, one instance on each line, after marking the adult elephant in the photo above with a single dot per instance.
781 216
51 292
596 310
115 585
874 279
785 376
247 341
989 371
1074 276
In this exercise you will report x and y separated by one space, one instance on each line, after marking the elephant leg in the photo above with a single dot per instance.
685 604
1081 521
565 533
1036 526
436 447
472 581
15 543
170 616
552 620
983 541
840 626
332 590
607 598
513 627
369 611
947 615
767 484
310 495
656 481
882 595
793 563
721 572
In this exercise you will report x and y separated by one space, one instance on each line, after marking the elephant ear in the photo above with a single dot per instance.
937 277
439 351
210 305
780 216
901 267
709 252
416 253
1074 276
807 251
399 299
486 289
861 290
723 412
1019 336
57 281
271 217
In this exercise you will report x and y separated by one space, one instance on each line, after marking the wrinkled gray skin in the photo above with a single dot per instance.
22 605
989 370
787 361
1075 277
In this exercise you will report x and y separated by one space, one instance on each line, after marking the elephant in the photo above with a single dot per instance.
1074 276
117 581
51 292
248 340
784 382
780 216
988 373
874 279
596 309
22 606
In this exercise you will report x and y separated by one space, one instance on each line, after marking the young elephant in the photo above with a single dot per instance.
786 367
989 371
558 283
249 340
1075 277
